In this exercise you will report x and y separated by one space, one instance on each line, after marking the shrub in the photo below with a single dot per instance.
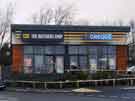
103 75
81 75
70 76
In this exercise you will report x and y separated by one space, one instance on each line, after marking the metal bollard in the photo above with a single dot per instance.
95 83
131 82
34 84
61 85
106 82
77 84
114 82
45 85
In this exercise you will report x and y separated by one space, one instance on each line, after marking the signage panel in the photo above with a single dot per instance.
40 36
94 36
46 36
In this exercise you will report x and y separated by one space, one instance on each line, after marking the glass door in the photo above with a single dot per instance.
49 64
59 64
93 56
39 63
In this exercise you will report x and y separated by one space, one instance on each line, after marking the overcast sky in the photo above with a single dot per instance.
96 11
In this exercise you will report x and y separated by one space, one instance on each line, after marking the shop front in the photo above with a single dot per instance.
48 49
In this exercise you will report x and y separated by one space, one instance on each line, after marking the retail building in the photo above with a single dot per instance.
59 48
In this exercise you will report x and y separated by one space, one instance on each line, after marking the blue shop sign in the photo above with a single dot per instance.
94 36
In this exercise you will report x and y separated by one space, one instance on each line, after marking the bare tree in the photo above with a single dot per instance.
45 16
82 21
63 15
132 25
120 22
59 15
132 42
5 21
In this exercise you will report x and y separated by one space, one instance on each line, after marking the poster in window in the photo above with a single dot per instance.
93 65
112 63
27 65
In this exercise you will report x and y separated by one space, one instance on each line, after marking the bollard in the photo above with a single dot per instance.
131 82
45 85
95 83
23 85
101 83
128 82
61 84
14 83
89 84
106 82
114 82
34 84
77 84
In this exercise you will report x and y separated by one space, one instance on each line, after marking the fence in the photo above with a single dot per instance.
76 84
8 74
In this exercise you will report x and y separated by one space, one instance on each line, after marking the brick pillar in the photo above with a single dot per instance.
121 58
17 59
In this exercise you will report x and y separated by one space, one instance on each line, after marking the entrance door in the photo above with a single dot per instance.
59 64
39 62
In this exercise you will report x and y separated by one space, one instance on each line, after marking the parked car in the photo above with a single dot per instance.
131 70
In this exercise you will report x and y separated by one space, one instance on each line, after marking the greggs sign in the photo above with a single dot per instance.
97 36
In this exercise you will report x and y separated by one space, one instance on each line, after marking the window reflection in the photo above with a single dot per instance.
42 58
38 49
93 58
112 57
59 50
73 50
102 53
28 49
49 64
83 62
39 64
82 50
73 62
49 50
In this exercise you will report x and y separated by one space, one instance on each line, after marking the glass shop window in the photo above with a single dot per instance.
102 60
38 49
59 49
111 50
82 49
39 63
73 62
49 64
92 50
93 64
28 49
83 62
28 61
49 50
112 63
112 57
73 49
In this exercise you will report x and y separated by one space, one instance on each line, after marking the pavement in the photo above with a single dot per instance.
73 90
124 93
23 96
78 90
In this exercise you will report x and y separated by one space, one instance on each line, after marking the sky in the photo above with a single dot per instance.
96 11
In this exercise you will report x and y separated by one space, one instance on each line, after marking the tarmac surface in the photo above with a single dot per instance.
103 94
